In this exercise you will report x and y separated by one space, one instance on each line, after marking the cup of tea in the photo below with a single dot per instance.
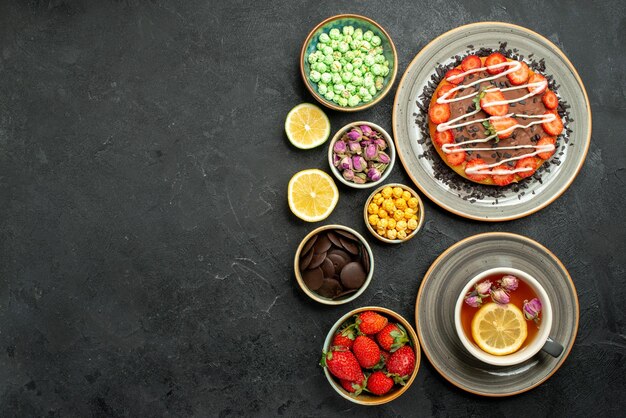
503 317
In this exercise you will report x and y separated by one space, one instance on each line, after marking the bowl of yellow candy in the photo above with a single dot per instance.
394 213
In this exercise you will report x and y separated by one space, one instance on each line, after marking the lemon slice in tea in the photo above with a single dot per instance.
499 329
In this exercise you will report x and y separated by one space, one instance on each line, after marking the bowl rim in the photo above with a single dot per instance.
381 94
314 295
416 348
390 144
419 224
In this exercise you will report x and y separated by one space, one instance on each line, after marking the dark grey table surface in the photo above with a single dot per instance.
146 243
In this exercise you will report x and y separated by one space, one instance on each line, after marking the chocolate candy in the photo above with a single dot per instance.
334 264
328 267
313 278
353 275
322 244
317 260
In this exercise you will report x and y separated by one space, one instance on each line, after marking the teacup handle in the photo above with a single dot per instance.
552 347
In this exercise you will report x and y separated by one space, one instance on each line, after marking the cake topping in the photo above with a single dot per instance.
484 90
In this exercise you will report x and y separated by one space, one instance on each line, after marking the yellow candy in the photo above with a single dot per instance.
398 215
377 196
388 205
383 223
413 202
387 191
382 213
401 234
373 220
412 224
391 224
381 231
406 195
408 212
414 217
401 203
401 225
379 201
392 234
397 192
372 208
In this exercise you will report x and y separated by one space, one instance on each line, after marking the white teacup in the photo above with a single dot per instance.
541 341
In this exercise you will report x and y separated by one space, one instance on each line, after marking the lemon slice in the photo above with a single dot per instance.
312 195
307 126
499 329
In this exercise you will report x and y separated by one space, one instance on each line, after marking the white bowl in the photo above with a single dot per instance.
524 353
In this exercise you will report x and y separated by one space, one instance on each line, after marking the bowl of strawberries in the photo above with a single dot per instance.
371 355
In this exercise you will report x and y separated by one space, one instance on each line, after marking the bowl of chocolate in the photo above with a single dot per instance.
334 264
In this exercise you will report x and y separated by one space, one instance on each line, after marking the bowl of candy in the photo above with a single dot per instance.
348 62
361 155
394 213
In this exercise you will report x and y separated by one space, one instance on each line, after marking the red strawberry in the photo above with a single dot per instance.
379 383
366 351
392 337
342 364
527 162
402 362
536 78
545 141
341 340
475 177
471 62
493 59
550 100
502 125
456 158
370 322
494 96
439 113
353 387
520 76
444 89
555 127
445 137
502 179
453 72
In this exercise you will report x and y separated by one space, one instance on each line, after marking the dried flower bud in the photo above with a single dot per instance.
383 158
367 131
355 147
380 143
339 147
509 282
373 174
337 159
346 163
474 301
483 288
371 152
500 296
354 135
359 163
348 174
531 309
359 178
